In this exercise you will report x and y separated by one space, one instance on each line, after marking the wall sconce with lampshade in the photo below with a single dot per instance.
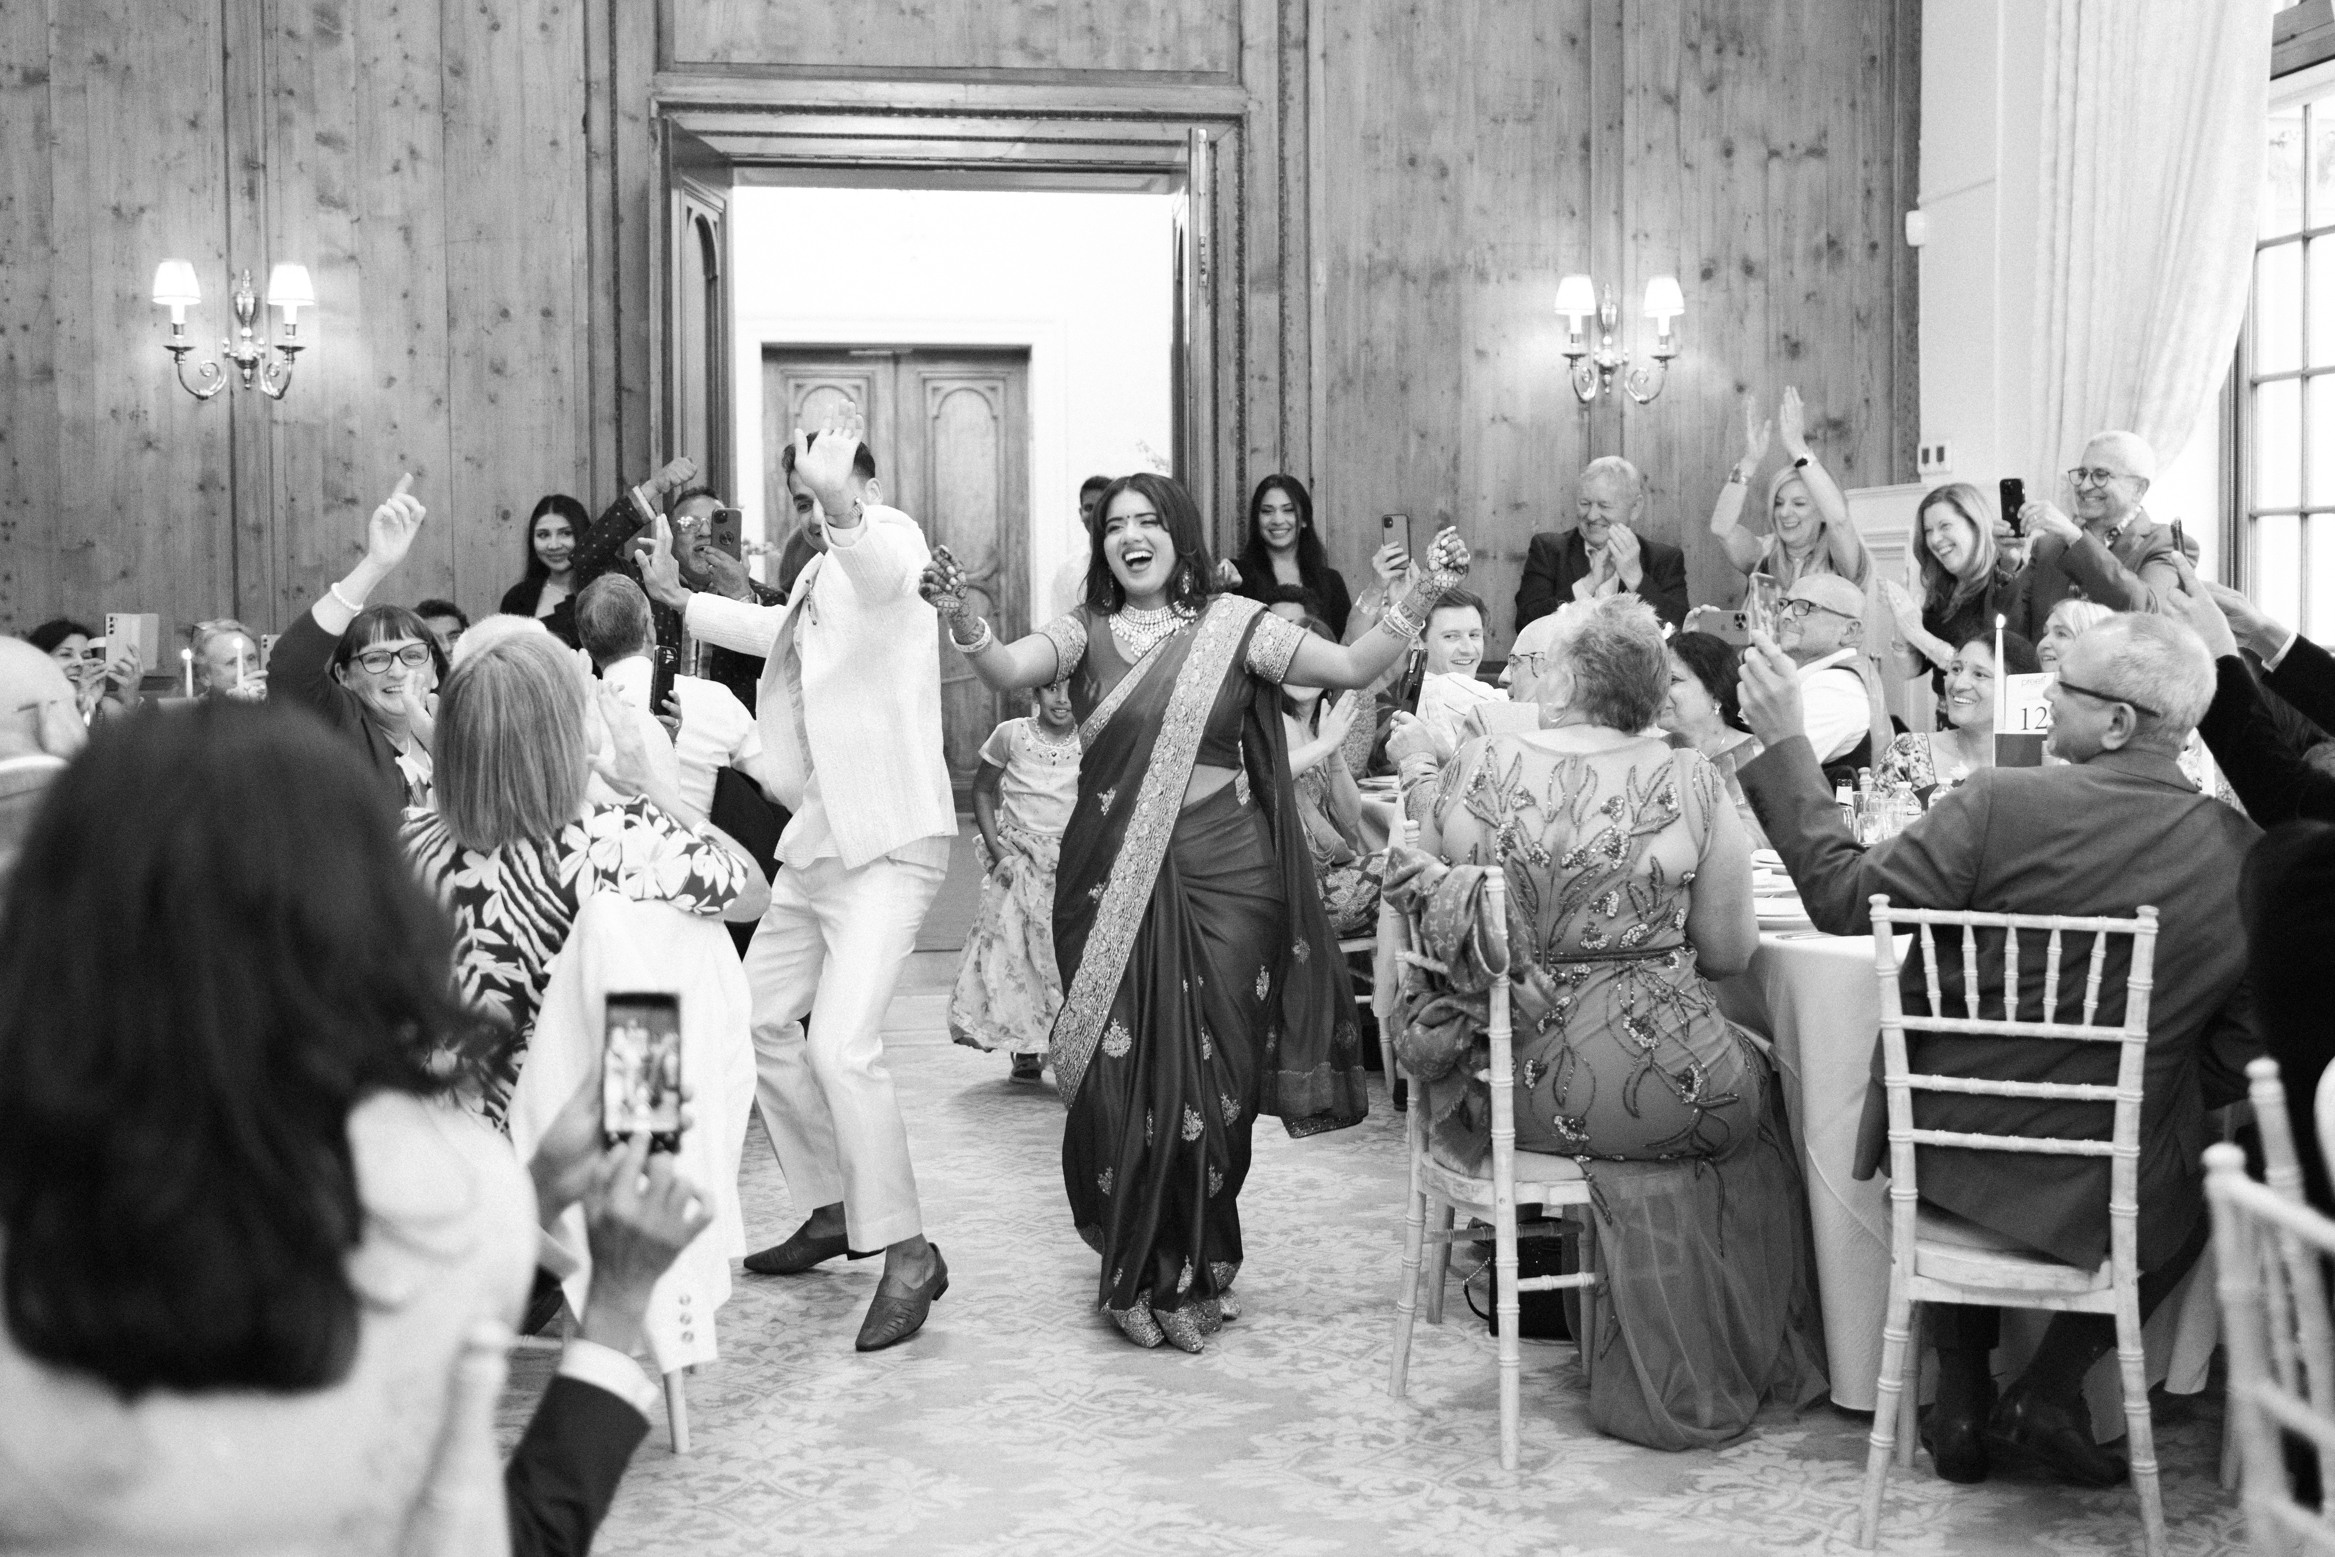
289 291
1593 370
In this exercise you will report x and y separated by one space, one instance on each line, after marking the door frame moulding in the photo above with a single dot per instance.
984 135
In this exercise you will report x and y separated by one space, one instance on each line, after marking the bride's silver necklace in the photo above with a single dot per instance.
1142 631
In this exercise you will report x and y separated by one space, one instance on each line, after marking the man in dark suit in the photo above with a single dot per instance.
2116 828
2250 729
1603 554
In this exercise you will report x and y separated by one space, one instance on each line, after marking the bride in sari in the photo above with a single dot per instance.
1202 984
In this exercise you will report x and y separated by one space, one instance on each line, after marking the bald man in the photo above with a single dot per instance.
2113 551
40 728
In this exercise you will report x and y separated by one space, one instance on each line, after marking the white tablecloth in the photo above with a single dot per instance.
1815 996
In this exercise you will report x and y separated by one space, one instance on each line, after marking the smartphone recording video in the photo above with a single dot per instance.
728 531
2012 490
640 1071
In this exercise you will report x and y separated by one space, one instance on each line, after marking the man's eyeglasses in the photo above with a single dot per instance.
1530 662
413 657
1800 610
2066 685
2083 479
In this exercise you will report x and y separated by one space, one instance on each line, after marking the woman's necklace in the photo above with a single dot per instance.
1142 631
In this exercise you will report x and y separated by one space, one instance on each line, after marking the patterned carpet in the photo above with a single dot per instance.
1020 1423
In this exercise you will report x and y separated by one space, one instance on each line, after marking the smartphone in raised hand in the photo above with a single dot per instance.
2012 493
640 1070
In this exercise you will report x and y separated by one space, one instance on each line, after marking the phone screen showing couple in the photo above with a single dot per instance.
640 1070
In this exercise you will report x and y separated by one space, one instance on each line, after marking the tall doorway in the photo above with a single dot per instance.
950 431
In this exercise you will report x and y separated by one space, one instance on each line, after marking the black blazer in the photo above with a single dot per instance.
558 1483
2095 838
2258 749
1557 559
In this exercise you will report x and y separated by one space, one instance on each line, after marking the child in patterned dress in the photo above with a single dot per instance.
1008 986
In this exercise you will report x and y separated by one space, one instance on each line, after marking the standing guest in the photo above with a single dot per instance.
1823 630
616 540
226 661
1948 757
706 566
2068 621
850 716
554 530
447 623
612 622
515 846
40 730
1968 578
2113 828
370 671
2113 550
1809 529
1283 549
1603 554
1008 988
1329 805
1186 919
247 1240
1702 714
1630 892
1070 578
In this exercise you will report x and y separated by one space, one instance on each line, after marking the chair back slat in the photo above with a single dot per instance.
1970 972
1930 970
2304 1283
2033 1145
2092 977
2051 973
2269 1248
2011 976
1982 1086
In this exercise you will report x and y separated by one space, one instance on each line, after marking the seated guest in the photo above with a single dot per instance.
2251 728
1822 627
2068 621
40 730
1809 529
1293 603
1603 554
1629 889
447 623
612 621
1418 753
103 684
2113 550
707 567
370 671
245 1237
1701 714
2114 828
554 530
1969 576
226 661
515 844
1282 549
1449 689
1947 757
1328 803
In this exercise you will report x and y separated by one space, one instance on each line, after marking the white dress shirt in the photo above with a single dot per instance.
716 730
1837 713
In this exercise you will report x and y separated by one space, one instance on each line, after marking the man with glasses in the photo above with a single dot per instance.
2113 551
708 568
1821 625
2112 828
40 729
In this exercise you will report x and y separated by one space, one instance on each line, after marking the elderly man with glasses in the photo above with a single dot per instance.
1821 626
2112 828
2113 551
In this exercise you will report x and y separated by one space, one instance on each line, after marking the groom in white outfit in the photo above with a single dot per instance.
849 710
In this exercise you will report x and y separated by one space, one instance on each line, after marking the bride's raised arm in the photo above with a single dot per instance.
1317 662
1036 660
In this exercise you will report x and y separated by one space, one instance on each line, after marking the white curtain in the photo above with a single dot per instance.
2153 136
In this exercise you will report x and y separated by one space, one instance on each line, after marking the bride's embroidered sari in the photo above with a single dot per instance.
1203 986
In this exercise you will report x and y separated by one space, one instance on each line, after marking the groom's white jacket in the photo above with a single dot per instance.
870 649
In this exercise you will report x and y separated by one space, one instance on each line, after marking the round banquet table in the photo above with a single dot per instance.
1815 998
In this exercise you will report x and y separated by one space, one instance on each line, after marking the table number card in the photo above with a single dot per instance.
2024 721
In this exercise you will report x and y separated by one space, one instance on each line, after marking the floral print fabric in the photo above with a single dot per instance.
513 906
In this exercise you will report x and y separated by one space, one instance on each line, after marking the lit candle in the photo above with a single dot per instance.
186 662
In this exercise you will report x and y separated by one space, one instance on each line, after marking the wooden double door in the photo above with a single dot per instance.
950 431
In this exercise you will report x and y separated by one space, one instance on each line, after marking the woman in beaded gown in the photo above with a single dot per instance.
1202 985
1629 881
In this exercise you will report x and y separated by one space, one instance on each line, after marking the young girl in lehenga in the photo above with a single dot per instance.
1008 987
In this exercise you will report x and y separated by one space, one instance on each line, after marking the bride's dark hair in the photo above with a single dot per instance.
1195 576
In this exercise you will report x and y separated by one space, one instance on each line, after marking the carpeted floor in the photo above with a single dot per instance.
1020 1423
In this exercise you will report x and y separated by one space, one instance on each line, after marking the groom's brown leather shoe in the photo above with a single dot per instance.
893 1318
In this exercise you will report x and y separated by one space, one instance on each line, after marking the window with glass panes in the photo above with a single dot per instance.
2289 470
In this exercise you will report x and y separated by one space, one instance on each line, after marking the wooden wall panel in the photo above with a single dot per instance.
1188 37
30 470
1758 153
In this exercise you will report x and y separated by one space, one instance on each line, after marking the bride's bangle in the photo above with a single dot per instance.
981 640
1399 619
